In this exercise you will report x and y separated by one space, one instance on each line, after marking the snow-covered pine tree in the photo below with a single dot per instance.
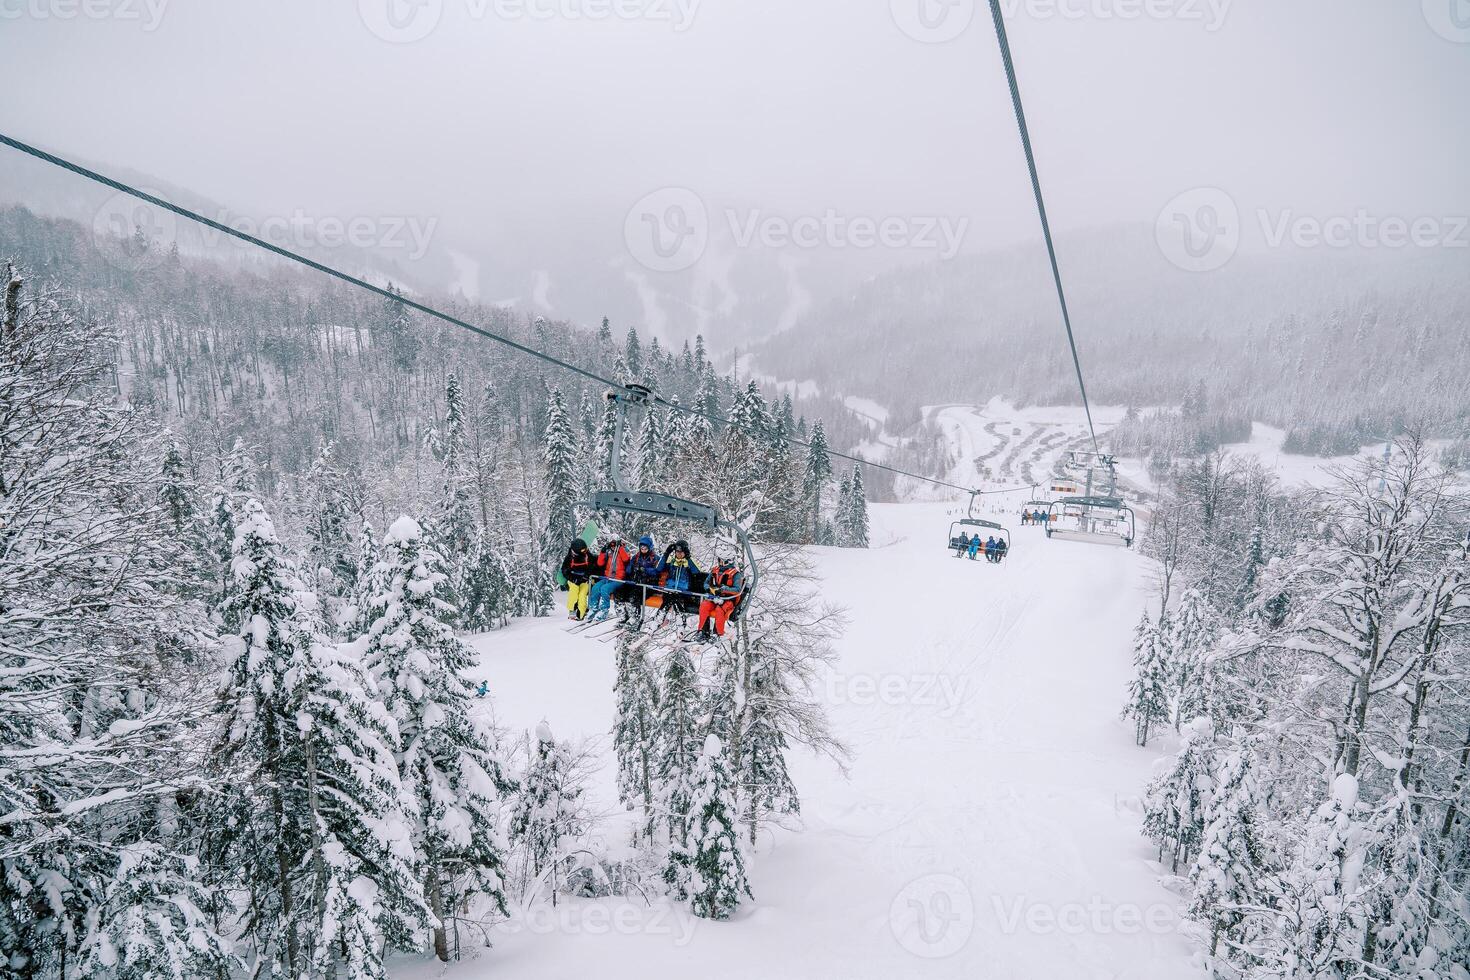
547 810
647 469
844 504
1177 797
856 515
488 595
1322 929
636 709
328 527
152 923
814 484
1192 638
1148 694
562 456
633 354
1233 875
717 878
313 822
678 739
178 493
446 757
101 685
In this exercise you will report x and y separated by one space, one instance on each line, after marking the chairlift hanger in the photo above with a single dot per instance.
650 503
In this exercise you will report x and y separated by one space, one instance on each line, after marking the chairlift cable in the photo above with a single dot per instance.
1051 251
427 310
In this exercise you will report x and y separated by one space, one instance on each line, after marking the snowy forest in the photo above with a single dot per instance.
1309 652
247 521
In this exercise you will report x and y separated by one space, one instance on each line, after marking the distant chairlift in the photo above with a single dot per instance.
973 525
661 505
1098 516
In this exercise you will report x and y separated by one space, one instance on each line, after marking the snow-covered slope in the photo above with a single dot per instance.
986 827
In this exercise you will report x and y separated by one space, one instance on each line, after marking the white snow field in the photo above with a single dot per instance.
988 828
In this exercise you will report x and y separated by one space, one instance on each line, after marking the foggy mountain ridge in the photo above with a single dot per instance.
1385 333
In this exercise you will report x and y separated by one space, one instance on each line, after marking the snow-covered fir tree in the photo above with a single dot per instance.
547 810
446 757
1233 875
1148 694
636 712
715 861
814 484
1177 798
314 823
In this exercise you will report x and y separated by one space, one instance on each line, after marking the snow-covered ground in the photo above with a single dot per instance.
987 828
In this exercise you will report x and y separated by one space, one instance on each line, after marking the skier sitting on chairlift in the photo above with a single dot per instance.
612 568
963 546
642 571
974 546
676 573
577 568
723 588
1000 550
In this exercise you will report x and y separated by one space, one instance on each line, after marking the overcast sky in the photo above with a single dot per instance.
511 114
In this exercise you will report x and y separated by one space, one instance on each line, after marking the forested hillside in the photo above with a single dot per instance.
1338 349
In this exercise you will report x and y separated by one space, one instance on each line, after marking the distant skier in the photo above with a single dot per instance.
577 568
722 588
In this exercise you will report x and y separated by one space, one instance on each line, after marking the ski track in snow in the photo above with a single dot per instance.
996 760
